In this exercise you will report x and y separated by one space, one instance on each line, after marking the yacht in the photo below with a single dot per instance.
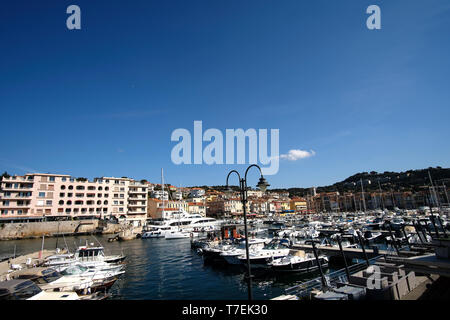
184 221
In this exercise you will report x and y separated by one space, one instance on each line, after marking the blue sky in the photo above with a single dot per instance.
104 100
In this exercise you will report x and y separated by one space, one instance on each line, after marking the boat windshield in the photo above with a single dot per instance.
48 276
272 246
74 270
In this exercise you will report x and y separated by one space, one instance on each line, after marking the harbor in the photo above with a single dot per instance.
291 259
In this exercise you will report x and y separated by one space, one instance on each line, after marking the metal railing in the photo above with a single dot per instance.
304 289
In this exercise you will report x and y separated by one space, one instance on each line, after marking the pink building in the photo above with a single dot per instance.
52 195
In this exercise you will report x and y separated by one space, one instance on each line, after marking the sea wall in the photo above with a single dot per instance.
10 231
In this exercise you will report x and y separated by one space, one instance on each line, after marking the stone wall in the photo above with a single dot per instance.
10 231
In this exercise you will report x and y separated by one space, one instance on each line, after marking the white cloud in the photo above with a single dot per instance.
296 154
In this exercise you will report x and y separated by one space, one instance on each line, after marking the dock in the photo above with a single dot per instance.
350 253
36 259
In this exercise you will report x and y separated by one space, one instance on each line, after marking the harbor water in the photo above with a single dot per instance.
160 269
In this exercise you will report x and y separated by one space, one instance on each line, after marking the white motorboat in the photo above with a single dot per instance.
175 234
102 279
231 254
298 261
87 255
54 281
158 231
259 258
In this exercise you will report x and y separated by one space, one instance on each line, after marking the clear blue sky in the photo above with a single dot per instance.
104 100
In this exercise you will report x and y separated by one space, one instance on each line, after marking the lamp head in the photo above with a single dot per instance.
262 184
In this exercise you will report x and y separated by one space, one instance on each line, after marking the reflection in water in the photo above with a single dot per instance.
170 270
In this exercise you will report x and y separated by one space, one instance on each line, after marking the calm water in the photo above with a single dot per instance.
169 270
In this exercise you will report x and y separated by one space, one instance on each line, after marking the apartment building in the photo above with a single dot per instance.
54 196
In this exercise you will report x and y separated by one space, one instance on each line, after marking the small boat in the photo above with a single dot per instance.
87 255
371 236
174 234
259 259
298 261
231 255
158 232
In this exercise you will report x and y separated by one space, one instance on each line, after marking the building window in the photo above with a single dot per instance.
61 202
63 179
48 202
105 202
70 187
63 187
69 202
100 188
41 194
51 179
80 187
62 194
79 202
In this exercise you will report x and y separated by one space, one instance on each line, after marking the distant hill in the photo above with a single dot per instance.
411 180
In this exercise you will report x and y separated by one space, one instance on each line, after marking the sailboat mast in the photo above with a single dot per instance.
363 199
381 193
436 199
162 186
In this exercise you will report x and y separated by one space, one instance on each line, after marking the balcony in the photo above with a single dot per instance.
14 179
137 212
134 205
135 191
14 196
16 188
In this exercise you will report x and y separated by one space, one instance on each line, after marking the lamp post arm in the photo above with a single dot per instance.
253 165
239 176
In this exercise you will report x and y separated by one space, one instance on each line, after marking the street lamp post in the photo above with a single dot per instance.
262 185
